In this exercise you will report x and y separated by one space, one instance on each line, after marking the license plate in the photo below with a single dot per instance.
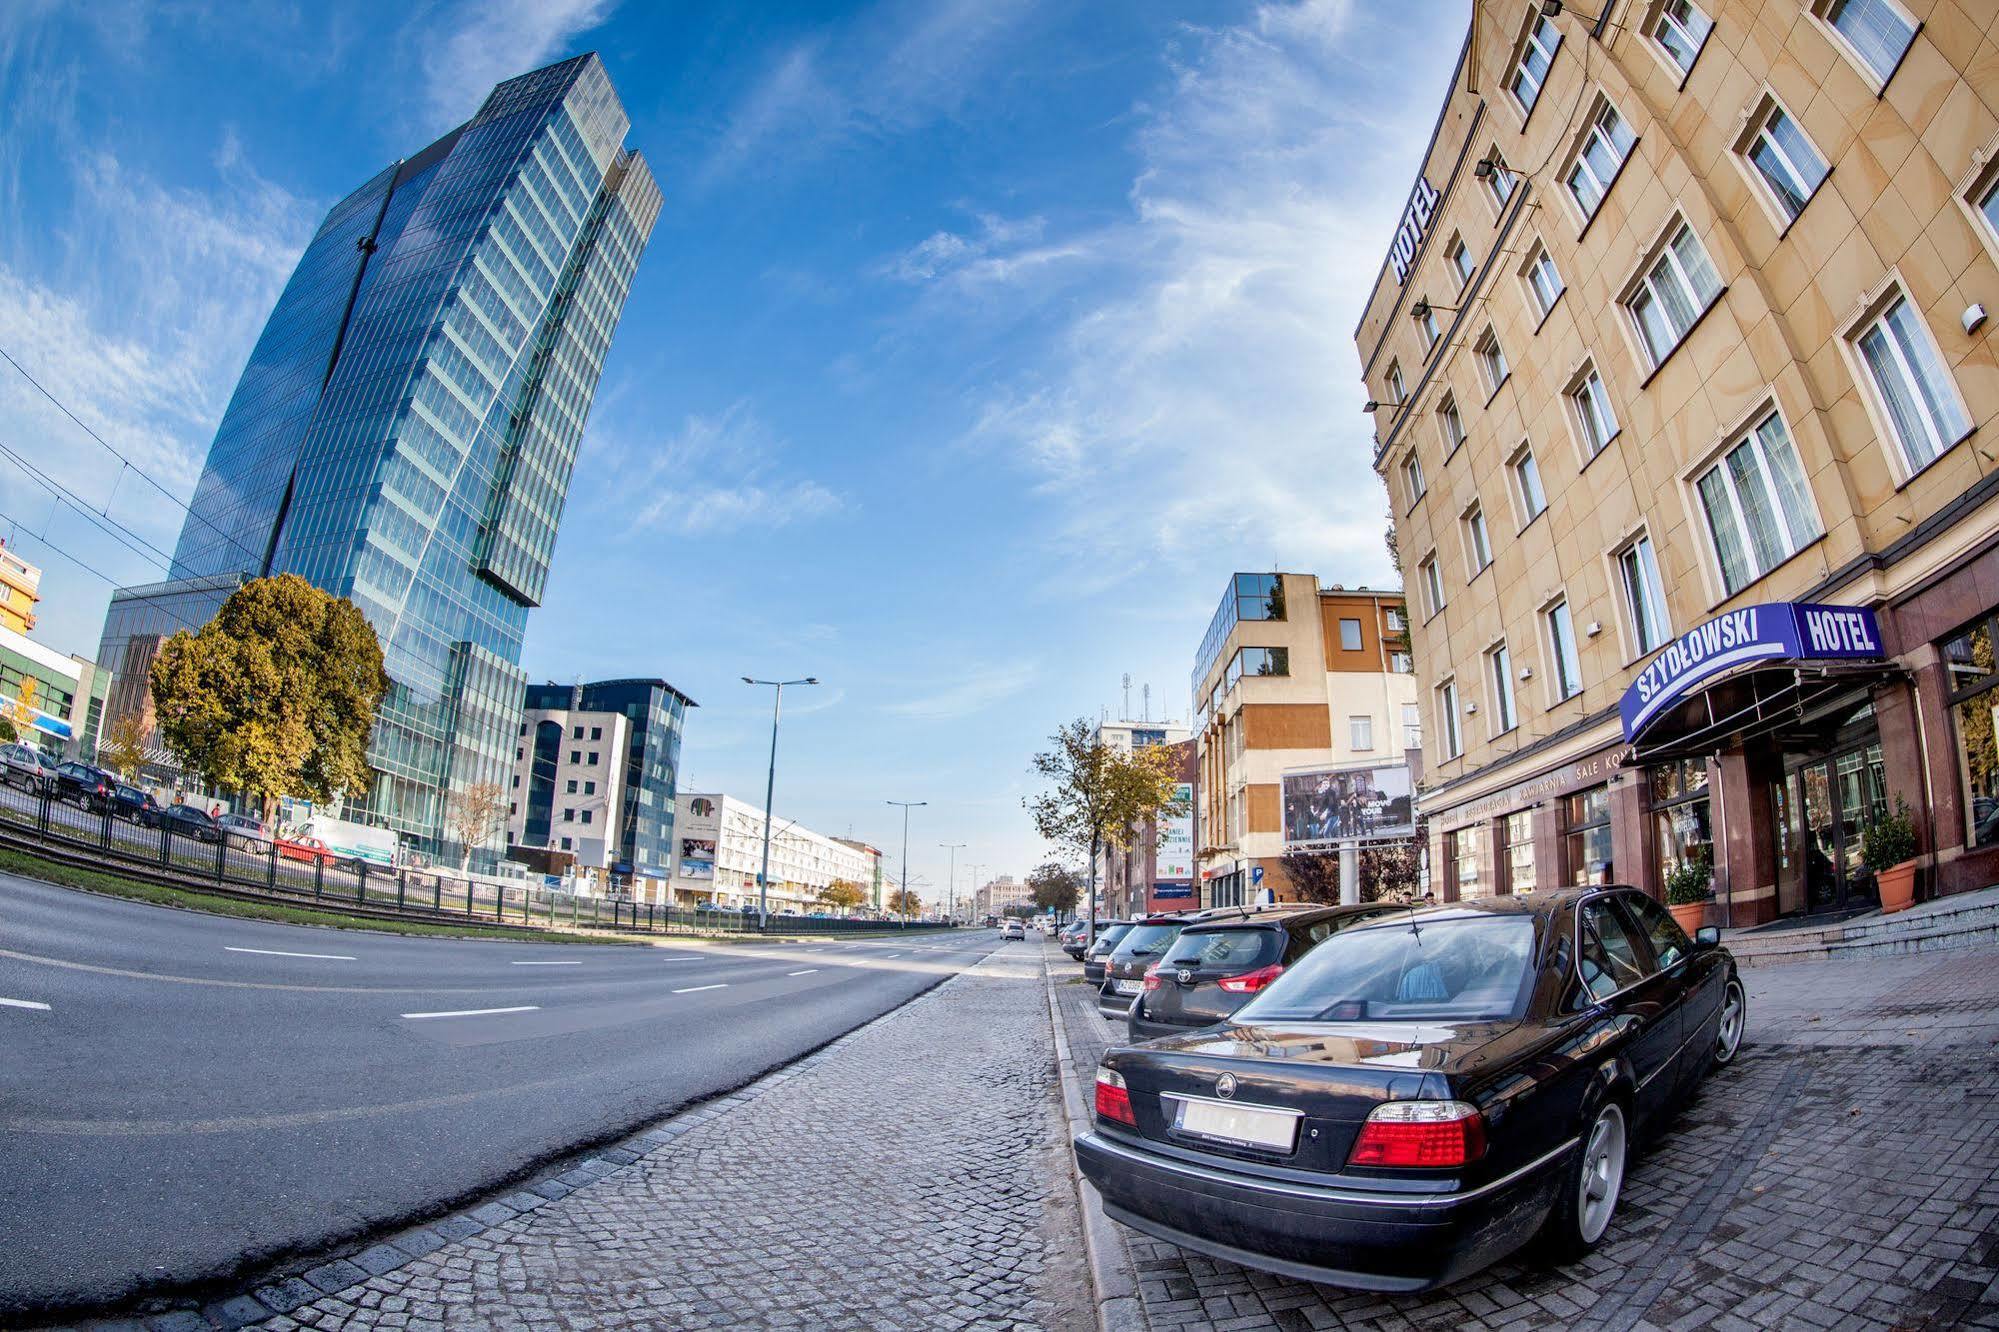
1127 987
1245 1124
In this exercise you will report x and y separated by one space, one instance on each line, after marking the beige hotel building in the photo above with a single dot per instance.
1684 393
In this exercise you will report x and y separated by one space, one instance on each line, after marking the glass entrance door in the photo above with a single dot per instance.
1840 797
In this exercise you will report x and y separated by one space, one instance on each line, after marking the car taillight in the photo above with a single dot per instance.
1152 980
1427 1134
1251 981
1113 1101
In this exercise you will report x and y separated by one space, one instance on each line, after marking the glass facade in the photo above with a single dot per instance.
655 714
406 427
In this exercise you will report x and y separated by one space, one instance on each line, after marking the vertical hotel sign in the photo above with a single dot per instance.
1415 221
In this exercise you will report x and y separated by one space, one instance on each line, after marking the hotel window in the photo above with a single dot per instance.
1544 282
1463 865
1589 406
1586 844
1562 651
1478 547
1785 162
1349 635
1499 665
1360 731
1396 393
1681 30
1461 261
1412 726
1450 425
1875 33
1682 828
1499 180
1491 362
1527 490
1450 743
1672 294
1974 708
1599 157
1759 512
1530 68
1515 860
1426 320
1644 595
1412 478
1910 385
1433 583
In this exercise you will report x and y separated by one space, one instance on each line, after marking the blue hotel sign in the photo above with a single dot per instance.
1780 631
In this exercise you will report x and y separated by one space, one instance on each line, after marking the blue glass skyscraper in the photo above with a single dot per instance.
406 427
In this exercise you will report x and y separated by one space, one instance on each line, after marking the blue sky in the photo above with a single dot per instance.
978 342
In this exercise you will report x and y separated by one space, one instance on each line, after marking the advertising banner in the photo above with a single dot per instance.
1348 804
697 858
1176 848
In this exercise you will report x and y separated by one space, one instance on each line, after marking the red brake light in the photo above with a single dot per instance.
1251 981
1152 981
1113 1101
1422 1134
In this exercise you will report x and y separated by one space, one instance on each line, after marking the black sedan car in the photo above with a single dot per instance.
1222 960
1136 953
189 821
1109 933
1421 1094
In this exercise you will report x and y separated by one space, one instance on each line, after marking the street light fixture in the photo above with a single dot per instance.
770 788
907 805
951 911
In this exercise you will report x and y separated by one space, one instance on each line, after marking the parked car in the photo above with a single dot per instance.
1075 938
129 802
246 832
1135 954
1109 932
1221 960
1423 1092
22 766
1012 930
84 783
305 847
189 821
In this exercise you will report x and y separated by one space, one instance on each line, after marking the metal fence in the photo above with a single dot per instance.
34 814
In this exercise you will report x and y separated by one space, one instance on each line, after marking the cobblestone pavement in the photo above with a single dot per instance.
913 1175
1843 1173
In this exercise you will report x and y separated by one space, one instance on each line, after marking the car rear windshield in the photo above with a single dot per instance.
1227 950
1147 940
1469 968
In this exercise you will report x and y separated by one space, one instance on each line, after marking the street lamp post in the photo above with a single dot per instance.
907 805
770 789
951 911
975 885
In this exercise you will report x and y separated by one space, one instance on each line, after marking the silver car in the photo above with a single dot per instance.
21 765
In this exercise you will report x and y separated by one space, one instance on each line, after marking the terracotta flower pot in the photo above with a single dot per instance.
1689 915
1897 886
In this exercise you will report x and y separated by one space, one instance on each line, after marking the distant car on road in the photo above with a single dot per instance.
21 765
84 783
246 832
306 848
1013 930
189 821
130 803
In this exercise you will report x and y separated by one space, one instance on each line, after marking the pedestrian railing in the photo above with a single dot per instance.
32 812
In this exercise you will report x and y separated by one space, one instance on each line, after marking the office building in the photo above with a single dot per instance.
718 853
1115 864
995 895
1683 387
55 702
405 430
1155 872
20 590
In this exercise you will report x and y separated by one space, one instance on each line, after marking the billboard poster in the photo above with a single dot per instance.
697 858
1176 848
1348 804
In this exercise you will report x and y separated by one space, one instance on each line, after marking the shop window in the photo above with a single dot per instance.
1515 857
1680 29
1758 510
1784 164
1491 362
1463 865
1543 279
1974 693
1586 844
1598 158
1682 828
1910 388
1532 61
1874 34
1499 667
1568 671
1644 595
1670 295
1449 424
1412 479
1590 412
1450 743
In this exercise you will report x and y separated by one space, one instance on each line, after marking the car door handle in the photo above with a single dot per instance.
1626 1024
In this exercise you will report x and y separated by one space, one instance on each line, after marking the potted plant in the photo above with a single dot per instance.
1687 885
1889 848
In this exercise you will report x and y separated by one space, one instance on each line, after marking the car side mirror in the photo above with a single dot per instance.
1707 936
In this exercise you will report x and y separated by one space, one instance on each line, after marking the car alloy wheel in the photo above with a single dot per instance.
1602 1174
1734 1015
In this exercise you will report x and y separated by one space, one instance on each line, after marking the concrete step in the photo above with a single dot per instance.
1958 921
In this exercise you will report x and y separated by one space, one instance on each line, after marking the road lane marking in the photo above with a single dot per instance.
24 1003
545 964
809 971
272 952
219 983
478 1012
696 989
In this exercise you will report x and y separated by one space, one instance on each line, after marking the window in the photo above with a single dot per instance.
1681 30
1450 425
1530 71
593 758
1463 864
1586 836
1599 157
1644 596
1910 385
1875 32
1613 956
1426 320
589 788
1672 294
1988 205
596 733
571 788
1447 717
1412 478
1349 635
1499 178
1396 393
1461 261
568 815
1681 826
1562 651
1433 583
1544 283
1401 663
1412 726
1499 666
1397 621
1973 681
1360 732
1491 362
1515 860
1785 161
1669 942
1478 549
576 733
1589 406
1759 513
1527 485
586 816
565 844
575 756
1256 661
517 781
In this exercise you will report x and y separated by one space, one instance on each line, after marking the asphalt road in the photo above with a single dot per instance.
201 1096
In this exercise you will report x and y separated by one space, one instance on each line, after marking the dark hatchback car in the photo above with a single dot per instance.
84 783
1124 971
1422 1093
189 821
1218 963
1109 934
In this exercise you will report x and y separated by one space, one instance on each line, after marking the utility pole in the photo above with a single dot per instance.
951 888
907 805
770 788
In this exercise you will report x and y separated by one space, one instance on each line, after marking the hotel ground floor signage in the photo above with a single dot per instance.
1779 631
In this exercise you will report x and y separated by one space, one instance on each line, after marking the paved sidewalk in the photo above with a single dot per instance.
913 1175
1843 1173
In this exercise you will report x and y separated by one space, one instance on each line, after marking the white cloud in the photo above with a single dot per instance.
716 474
975 689
493 40
999 250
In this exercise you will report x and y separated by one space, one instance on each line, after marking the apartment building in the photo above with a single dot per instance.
1156 872
20 591
1683 387
718 854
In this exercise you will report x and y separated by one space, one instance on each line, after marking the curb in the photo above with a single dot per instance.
1111 1271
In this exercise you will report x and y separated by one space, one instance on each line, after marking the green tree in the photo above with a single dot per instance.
1314 876
842 895
1099 796
276 695
1056 887
8 733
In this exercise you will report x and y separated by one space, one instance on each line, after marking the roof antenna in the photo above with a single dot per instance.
1127 696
